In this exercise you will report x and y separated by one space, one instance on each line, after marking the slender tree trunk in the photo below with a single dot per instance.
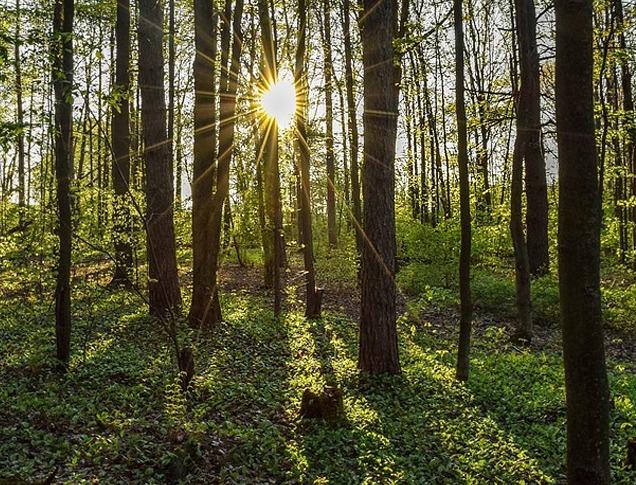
171 79
353 124
205 303
378 333
465 321
271 177
228 88
345 147
527 138
20 112
63 86
586 385
163 280
331 164
121 150
313 303
536 185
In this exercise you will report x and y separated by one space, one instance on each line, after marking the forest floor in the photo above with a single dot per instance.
118 415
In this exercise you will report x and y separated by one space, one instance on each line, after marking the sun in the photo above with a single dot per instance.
279 102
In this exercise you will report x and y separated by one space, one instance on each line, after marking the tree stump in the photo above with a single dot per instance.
186 367
327 405
314 310
630 462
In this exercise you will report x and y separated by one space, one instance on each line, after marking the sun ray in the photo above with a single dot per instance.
278 102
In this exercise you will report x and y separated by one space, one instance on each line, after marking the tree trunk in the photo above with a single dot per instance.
171 79
378 334
466 310
63 86
353 124
536 185
205 303
228 88
586 385
312 296
121 150
528 137
22 201
163 280
331 165
271 176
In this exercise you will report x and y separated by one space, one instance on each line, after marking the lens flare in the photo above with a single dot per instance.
279 102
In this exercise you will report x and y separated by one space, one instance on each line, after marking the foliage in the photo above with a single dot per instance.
118 416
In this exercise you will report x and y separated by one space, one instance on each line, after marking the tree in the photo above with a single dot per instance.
536 185
163 280
22 202
63 87
205 303
228 87
273 233
120 134
586 385
353 124
331 166
526 145
466 310
313 295
378 334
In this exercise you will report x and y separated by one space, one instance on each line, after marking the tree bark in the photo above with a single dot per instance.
587 392
163 280
205 303
63 87
312 295
466 308
271 177
378 334
228 88
536 185
353 125
332 230
527 143
22 200
121 150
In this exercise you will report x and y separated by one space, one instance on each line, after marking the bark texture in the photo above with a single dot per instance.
120 133
163 282
586 383
63 88
378 335
466 310
205 303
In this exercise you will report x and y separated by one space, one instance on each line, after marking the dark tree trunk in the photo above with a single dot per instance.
528 138
22 200
171 78
465 321
121 150
378 333
312 296
63 86
353 125
228 88
330 160
273 234
163 280
523 329
587 392
536 185
205 303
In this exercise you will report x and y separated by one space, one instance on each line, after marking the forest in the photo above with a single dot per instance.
318 241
